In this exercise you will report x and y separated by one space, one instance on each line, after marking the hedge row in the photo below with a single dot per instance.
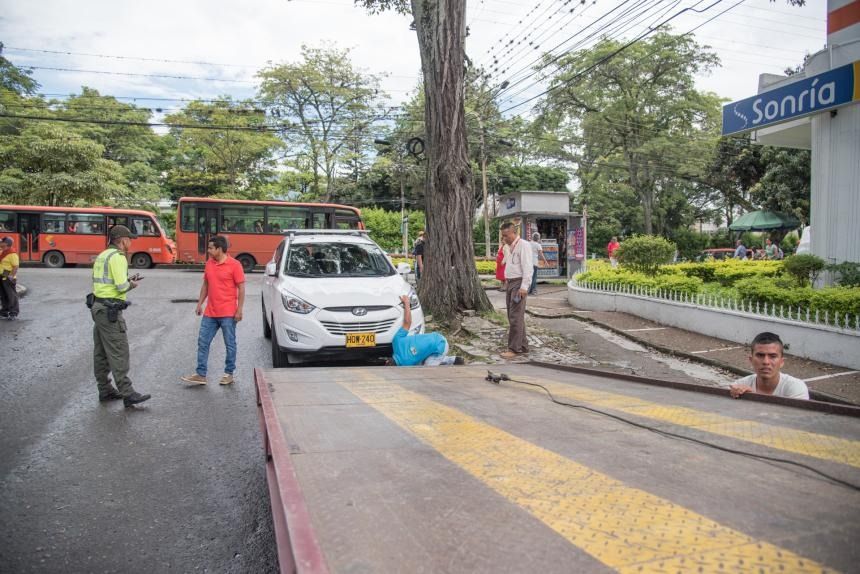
666 282
728 271
833 300
764 286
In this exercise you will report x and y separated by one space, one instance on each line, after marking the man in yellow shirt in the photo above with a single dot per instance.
111 353
9 263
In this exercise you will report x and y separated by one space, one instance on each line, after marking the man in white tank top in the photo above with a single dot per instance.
767 359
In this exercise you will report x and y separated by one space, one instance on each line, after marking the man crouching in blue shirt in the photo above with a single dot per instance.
430 349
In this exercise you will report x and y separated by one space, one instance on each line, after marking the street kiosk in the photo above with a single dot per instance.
562 233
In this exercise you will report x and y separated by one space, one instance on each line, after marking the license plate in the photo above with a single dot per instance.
361 340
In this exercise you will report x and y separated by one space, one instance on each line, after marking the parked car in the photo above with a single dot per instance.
334 294
718 253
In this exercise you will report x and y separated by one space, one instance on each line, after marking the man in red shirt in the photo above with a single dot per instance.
224 285
611 249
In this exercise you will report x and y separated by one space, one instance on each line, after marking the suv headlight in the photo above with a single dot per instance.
296 305
414 303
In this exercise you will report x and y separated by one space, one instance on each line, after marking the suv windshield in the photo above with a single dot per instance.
337 260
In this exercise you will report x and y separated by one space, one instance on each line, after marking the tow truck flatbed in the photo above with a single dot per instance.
435 469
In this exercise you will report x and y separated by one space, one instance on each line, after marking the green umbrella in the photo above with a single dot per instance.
764 221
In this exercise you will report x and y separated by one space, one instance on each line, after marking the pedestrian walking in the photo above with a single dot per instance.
518 272
224 287
740 250
611 249
537 253
9 264
111 283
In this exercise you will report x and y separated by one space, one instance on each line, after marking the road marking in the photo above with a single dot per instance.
816 445
822 377
645 329
715 350
626 528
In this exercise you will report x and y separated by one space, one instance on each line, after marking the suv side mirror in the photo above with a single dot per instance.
271 269
404 268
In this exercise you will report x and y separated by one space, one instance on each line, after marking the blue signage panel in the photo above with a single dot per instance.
812 95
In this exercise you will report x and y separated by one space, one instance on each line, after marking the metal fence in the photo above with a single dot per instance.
805 315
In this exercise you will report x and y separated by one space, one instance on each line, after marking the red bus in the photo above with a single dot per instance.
254 228
57 236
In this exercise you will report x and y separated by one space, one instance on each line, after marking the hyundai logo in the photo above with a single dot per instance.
359 311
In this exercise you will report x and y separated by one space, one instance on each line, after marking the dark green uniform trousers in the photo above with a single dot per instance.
110 351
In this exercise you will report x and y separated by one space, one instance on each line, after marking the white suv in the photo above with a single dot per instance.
333 294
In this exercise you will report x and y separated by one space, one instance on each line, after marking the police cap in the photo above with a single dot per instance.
118 231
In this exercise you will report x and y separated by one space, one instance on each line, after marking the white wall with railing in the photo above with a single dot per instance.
816 335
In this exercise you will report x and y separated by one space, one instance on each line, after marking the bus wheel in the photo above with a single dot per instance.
247 261
54 259
141 261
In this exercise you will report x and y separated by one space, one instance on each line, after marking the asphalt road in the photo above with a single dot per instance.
175 485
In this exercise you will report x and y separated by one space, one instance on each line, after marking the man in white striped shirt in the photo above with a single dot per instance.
518 278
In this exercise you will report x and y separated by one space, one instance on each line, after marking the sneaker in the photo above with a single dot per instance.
459 361
11 317
134 399
109 395
194 379
226 379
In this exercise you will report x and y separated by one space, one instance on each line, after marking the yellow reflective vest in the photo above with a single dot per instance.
110 274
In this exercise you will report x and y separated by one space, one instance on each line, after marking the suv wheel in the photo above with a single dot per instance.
279 358
267 329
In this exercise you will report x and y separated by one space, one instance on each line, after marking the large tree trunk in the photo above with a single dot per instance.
450 281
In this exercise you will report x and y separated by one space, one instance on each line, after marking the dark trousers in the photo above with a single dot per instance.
517 341
8 297
110 351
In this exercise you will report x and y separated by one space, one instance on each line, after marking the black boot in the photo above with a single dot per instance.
109 395
135 398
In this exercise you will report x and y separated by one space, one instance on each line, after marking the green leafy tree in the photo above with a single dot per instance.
48 164
14 79
634 112
324 108
223 148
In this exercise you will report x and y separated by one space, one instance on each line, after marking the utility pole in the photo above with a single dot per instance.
404 219
484 185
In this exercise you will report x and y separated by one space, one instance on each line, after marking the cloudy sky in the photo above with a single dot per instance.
213 48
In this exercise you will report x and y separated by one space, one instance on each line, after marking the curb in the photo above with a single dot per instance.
813 394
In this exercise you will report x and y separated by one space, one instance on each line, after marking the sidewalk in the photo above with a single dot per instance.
551 303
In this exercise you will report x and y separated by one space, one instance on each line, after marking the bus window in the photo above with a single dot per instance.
188 216
117 220
7 221
86 224
345 219
144 227
54 222
242 219
320 220
283 218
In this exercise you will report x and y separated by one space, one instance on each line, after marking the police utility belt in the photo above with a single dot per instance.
113 306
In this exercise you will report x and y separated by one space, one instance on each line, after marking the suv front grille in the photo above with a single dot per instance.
336 328
351 307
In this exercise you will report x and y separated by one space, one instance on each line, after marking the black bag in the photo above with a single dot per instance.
90 300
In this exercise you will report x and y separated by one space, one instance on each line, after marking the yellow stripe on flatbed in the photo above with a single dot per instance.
625 528
816 445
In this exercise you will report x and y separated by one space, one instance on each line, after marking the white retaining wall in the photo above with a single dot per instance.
817 342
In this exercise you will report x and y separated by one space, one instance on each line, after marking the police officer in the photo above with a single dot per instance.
110 353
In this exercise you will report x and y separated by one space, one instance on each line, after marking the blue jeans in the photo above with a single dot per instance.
533 287
208 328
